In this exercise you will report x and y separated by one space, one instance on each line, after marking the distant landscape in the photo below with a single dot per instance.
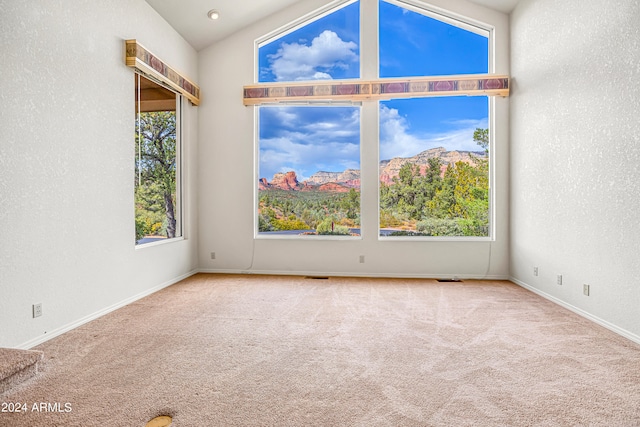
434 193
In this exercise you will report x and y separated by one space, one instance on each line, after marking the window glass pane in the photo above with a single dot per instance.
434 168
309 169
324 49
157 211
434 158
413 44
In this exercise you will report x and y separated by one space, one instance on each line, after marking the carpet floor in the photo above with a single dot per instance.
232 350
17 366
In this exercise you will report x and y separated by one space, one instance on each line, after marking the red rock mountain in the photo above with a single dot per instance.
391 168
350 178
285 181
332 187
339 182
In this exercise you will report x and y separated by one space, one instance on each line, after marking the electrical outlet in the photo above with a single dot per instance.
361 259
585 289
559 279
213 255
535 271
37 310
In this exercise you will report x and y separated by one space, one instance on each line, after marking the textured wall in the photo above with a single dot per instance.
575 147
226 178
66 162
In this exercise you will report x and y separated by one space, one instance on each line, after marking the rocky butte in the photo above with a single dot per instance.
340 182
391 168
285 181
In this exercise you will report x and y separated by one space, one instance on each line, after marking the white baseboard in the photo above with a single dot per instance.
620 331
66 328
355 274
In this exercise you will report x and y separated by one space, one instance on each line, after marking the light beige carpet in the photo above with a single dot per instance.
224 350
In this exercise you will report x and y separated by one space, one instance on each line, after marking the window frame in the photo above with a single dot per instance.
178 200
265 40
476 27
490 237
369 68
256 168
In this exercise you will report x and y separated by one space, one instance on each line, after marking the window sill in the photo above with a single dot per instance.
158 242
436 239
306 238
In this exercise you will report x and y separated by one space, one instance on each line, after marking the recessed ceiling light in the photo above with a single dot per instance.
213 14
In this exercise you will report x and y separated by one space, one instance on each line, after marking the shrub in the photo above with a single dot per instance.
289 224
439 227
264 223
148 223
325 228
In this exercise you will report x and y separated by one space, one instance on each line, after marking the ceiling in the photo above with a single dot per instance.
189 17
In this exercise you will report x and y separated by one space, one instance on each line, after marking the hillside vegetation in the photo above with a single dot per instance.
424 197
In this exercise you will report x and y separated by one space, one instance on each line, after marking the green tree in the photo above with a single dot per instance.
309 218
350 204
481 137
264 223
442 203
149 211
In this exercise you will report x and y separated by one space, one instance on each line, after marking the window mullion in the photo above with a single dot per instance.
369 39
369 119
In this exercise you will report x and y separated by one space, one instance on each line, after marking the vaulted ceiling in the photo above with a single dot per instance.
189 17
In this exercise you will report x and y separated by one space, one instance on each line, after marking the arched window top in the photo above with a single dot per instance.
421 51
325 46
417 42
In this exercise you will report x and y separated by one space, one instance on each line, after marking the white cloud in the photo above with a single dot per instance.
306 159
397 140
309 140
285 116
327 52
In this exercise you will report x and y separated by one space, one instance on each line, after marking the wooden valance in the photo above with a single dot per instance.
151 66
380 89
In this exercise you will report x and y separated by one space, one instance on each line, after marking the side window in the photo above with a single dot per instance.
157 162
309 156
434 152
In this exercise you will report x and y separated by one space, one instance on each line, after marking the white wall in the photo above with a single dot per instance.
227 183
66 163
575 147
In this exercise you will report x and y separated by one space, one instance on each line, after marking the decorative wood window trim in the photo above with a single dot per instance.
146 63
380 89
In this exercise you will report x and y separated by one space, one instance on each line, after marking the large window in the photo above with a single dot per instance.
157 163
434 168
434 152
309 156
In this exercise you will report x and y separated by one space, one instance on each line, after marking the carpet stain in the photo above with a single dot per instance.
161 421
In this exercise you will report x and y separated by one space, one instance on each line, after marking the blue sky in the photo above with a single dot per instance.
310 139
328 48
